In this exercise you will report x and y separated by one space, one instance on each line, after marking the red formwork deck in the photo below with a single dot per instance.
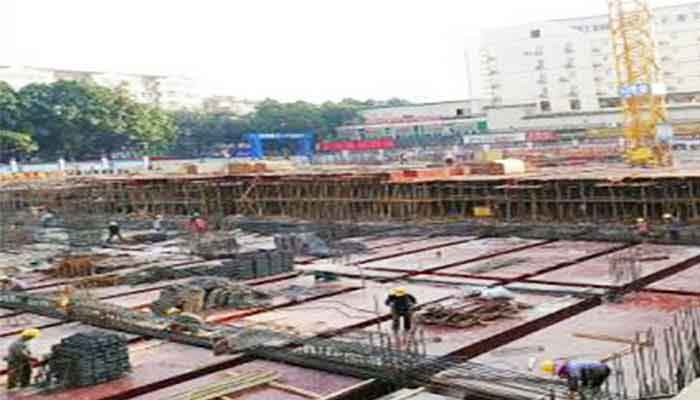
309 380
442 341
532 261
596 272
447 256
152 362
340 312
686 282
636 313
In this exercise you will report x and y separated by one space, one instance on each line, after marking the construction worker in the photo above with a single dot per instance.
158 223
673 226
19 360
401 304
114 231
642 227
581 376
198 224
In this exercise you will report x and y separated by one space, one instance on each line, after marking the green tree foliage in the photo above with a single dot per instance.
198 133
77 120
15 145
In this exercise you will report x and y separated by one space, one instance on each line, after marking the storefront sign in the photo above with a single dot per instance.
494 138
358 145
542 136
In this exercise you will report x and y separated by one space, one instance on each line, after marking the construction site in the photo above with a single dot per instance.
479 279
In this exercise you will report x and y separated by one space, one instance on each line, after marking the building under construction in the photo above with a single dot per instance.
304 317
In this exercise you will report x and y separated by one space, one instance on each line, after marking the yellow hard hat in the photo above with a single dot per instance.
548 366
30 333
640 219
399 291
172 311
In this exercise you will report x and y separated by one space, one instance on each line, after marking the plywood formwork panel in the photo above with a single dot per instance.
442 340
340 311
531 261
319 382
597 270
445 256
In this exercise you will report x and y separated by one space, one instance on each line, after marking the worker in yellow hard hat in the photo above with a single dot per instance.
19 360
580 375
401 303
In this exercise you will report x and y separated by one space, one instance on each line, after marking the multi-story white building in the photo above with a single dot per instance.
169 92
567 65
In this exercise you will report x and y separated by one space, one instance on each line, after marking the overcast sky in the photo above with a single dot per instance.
286 49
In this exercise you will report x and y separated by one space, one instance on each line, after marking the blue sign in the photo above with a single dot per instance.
639 89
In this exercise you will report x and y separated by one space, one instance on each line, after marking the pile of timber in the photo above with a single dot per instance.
472 312
75 266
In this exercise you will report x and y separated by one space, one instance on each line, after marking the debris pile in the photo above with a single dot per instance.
472 312
307 244
86 359
212 247
208 293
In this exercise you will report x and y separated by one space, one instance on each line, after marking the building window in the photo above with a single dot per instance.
682 17
545 106
575 104
460 112
535 34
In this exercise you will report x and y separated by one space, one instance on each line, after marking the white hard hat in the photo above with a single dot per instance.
113 223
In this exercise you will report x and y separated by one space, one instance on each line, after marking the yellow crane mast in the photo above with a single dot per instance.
647 136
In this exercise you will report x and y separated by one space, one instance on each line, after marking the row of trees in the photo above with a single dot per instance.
78 120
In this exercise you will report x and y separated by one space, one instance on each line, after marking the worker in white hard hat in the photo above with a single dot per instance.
19 360
673 226
114 231
401 303
158 223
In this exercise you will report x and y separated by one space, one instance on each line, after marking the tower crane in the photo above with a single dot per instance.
647 136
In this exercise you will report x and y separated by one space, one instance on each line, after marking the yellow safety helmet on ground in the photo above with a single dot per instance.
548 366
399 291
30 333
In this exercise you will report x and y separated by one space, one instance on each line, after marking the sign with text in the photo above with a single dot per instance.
542 136
358 145
494 138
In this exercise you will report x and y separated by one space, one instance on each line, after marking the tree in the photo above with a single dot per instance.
199 133
15 145
79 120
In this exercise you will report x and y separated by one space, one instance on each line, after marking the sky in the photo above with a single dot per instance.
311 50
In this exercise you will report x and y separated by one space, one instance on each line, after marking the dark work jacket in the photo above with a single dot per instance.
113 229
400 304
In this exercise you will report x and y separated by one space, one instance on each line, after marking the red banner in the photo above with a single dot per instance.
542 136
355 145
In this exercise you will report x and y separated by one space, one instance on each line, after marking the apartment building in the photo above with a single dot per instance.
169 92
568 66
